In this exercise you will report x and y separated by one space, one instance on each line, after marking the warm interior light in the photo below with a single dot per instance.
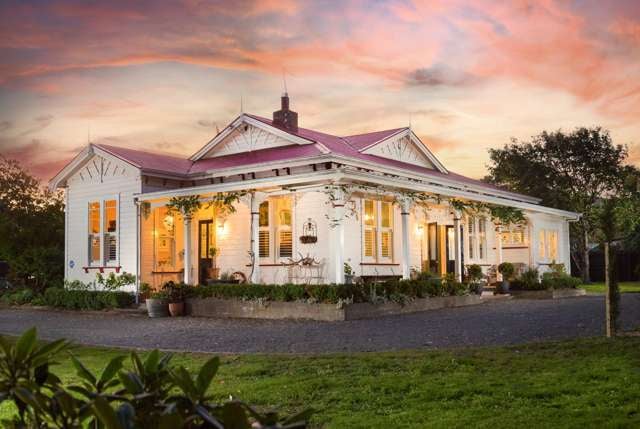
168 223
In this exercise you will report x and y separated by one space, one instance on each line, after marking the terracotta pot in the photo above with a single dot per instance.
176 309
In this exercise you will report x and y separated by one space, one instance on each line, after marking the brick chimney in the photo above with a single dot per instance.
285 118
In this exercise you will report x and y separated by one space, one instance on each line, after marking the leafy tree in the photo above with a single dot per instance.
617 219
571 171
31 227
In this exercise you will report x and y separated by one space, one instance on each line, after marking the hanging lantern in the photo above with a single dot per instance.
309 232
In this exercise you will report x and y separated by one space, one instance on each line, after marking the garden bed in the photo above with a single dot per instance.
255 309
548 293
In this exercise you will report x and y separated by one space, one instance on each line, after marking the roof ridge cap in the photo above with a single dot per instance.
157 153
373 132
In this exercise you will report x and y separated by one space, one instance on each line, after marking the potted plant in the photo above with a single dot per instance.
348 273
157 304
475 275
507 270
145 290
213 272
175 296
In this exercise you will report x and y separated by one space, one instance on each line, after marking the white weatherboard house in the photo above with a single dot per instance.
335 200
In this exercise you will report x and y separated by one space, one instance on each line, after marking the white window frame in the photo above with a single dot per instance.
274 228
544 249
92 235
102 234
115 234
266 229
477 238
378 231
508 233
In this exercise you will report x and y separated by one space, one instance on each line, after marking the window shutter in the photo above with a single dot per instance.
386 243
369 242
111 247
263 243
286 244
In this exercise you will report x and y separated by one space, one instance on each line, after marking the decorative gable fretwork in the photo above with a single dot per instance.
401 148
246 138
98 168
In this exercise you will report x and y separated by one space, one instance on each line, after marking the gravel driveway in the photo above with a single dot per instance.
493 323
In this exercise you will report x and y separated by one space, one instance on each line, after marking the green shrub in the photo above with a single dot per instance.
147 393
18 297
474 272
506 269
394 290
553 280
528 280
86 299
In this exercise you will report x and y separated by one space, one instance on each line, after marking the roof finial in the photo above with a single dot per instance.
88 133
241 105
409 120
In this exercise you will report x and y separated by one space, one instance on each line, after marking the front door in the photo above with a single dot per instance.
451 249
206 251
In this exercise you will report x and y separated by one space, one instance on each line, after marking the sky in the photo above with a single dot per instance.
163 75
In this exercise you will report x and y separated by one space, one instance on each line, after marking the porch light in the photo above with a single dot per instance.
419 230
221 227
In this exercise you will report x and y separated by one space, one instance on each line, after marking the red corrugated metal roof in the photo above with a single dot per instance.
149 161
347 146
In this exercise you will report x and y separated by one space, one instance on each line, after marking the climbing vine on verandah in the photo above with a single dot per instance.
223 202
503 215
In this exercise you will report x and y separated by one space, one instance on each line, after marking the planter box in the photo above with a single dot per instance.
222 308
547 294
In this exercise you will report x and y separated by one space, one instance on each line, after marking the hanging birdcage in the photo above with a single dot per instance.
309 232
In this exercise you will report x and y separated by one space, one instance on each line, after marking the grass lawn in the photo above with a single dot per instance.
582 383
625 287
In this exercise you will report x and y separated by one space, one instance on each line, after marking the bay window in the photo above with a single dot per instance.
275 235
377 239
103 232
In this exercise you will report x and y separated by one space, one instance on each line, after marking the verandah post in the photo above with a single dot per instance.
457 215
337 237
256 199
187 250
405 209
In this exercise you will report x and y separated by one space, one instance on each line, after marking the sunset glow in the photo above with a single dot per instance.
467 75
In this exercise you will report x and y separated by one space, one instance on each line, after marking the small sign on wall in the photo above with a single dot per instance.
72 264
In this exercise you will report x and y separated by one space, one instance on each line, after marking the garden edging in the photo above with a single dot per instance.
548 294
229 308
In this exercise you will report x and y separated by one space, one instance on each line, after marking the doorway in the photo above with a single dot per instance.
433 248
207 251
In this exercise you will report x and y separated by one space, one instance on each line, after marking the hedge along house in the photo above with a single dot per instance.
305 203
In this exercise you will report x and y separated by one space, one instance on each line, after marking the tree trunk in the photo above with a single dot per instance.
586 277
609 325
